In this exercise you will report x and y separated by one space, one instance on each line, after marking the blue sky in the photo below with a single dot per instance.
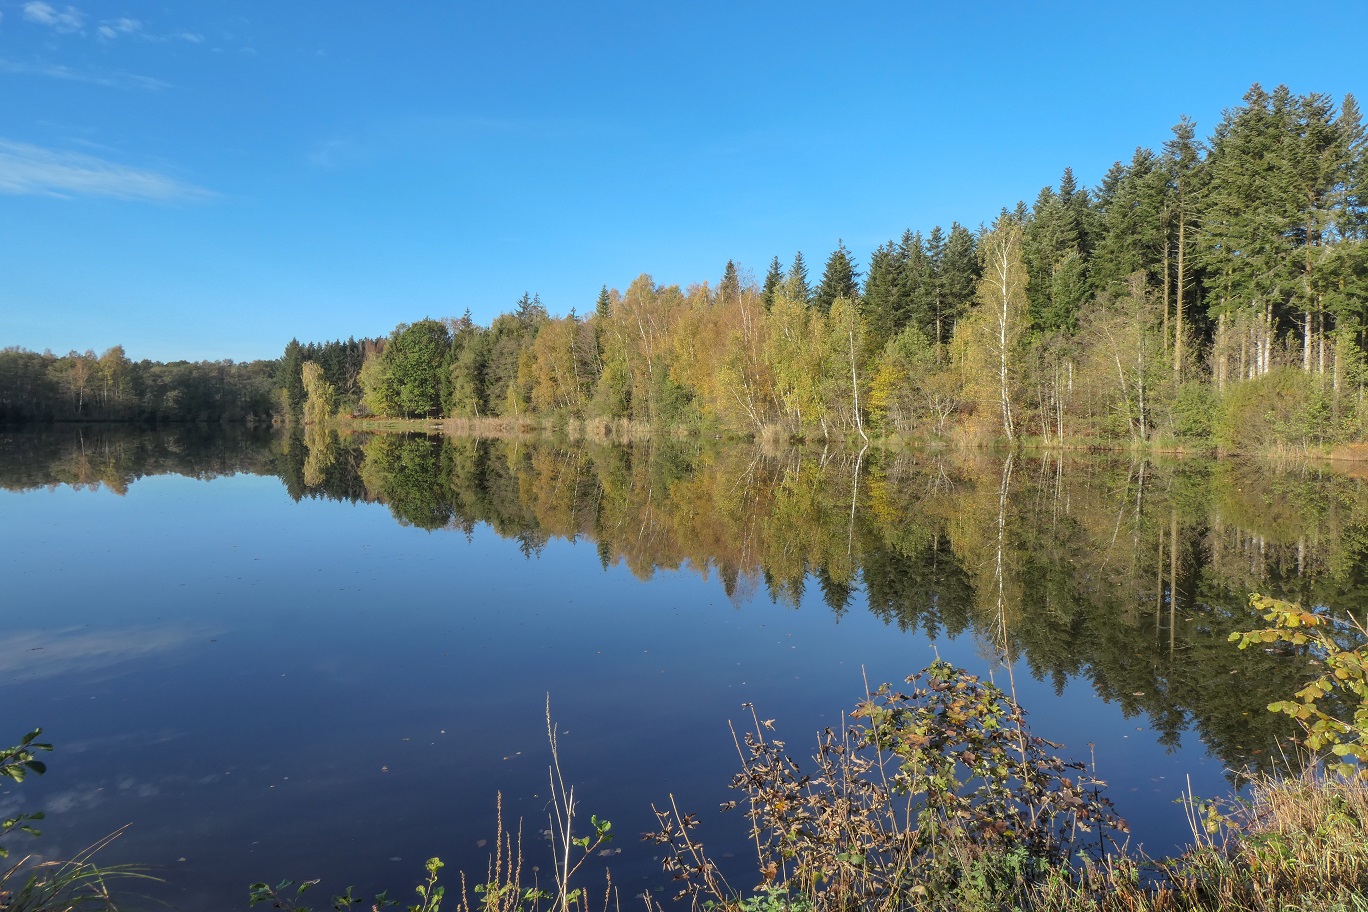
208 179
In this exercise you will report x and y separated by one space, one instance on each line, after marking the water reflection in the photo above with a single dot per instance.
1127 574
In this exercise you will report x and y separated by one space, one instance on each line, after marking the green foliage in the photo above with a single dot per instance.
839 280
1340 647
320 396
1285 406
50 886
1193 412
412 380
289 895
80 386
937 793
15 764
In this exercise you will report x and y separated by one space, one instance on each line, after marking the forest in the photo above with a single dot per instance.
1209 295
110 387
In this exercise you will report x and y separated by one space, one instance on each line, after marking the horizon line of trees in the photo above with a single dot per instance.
1214 291
84 386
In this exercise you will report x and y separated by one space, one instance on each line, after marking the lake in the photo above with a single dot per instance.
272 656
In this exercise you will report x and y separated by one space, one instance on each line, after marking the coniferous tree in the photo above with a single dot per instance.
1353 208
918 286
291 380
1052 246
1130 203
935 255
773 280
603 306
1182 166
798 288
1244 244
959 275
880 303
729 289
839 280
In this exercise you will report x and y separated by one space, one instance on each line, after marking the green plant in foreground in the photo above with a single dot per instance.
287 895
1340 647
939 793
15 764
49 886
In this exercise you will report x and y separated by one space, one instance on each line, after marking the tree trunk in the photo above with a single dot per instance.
1178 304
855 385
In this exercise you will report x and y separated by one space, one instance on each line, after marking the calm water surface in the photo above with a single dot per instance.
271 657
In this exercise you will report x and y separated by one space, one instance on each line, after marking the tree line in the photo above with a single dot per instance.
1213 291
83 386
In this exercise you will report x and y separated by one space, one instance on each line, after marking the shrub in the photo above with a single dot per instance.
937 792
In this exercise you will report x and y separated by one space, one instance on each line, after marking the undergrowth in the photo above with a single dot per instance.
937 797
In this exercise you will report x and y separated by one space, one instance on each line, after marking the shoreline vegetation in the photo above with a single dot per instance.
1211 296
624 431
932 796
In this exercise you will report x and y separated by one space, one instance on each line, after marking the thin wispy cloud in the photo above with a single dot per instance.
334 154
35 171
69 19
125 27
116 79
113 28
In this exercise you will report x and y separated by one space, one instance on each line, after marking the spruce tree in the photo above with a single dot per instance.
839 280
1353 202
879 303
729 289
1248 207
1182 167
798 287
773 279
918 287
959 275
291 380
1131 204
935 255
1055 256
603 306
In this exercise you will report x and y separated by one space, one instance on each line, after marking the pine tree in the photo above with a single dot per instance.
918 286
1053 249
773 280
1248 209
839 280
1353 200
729 289
798 288
603 306
291 380
935 255
958 277
879 305
1182 166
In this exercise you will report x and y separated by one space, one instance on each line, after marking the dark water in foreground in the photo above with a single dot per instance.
282 658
